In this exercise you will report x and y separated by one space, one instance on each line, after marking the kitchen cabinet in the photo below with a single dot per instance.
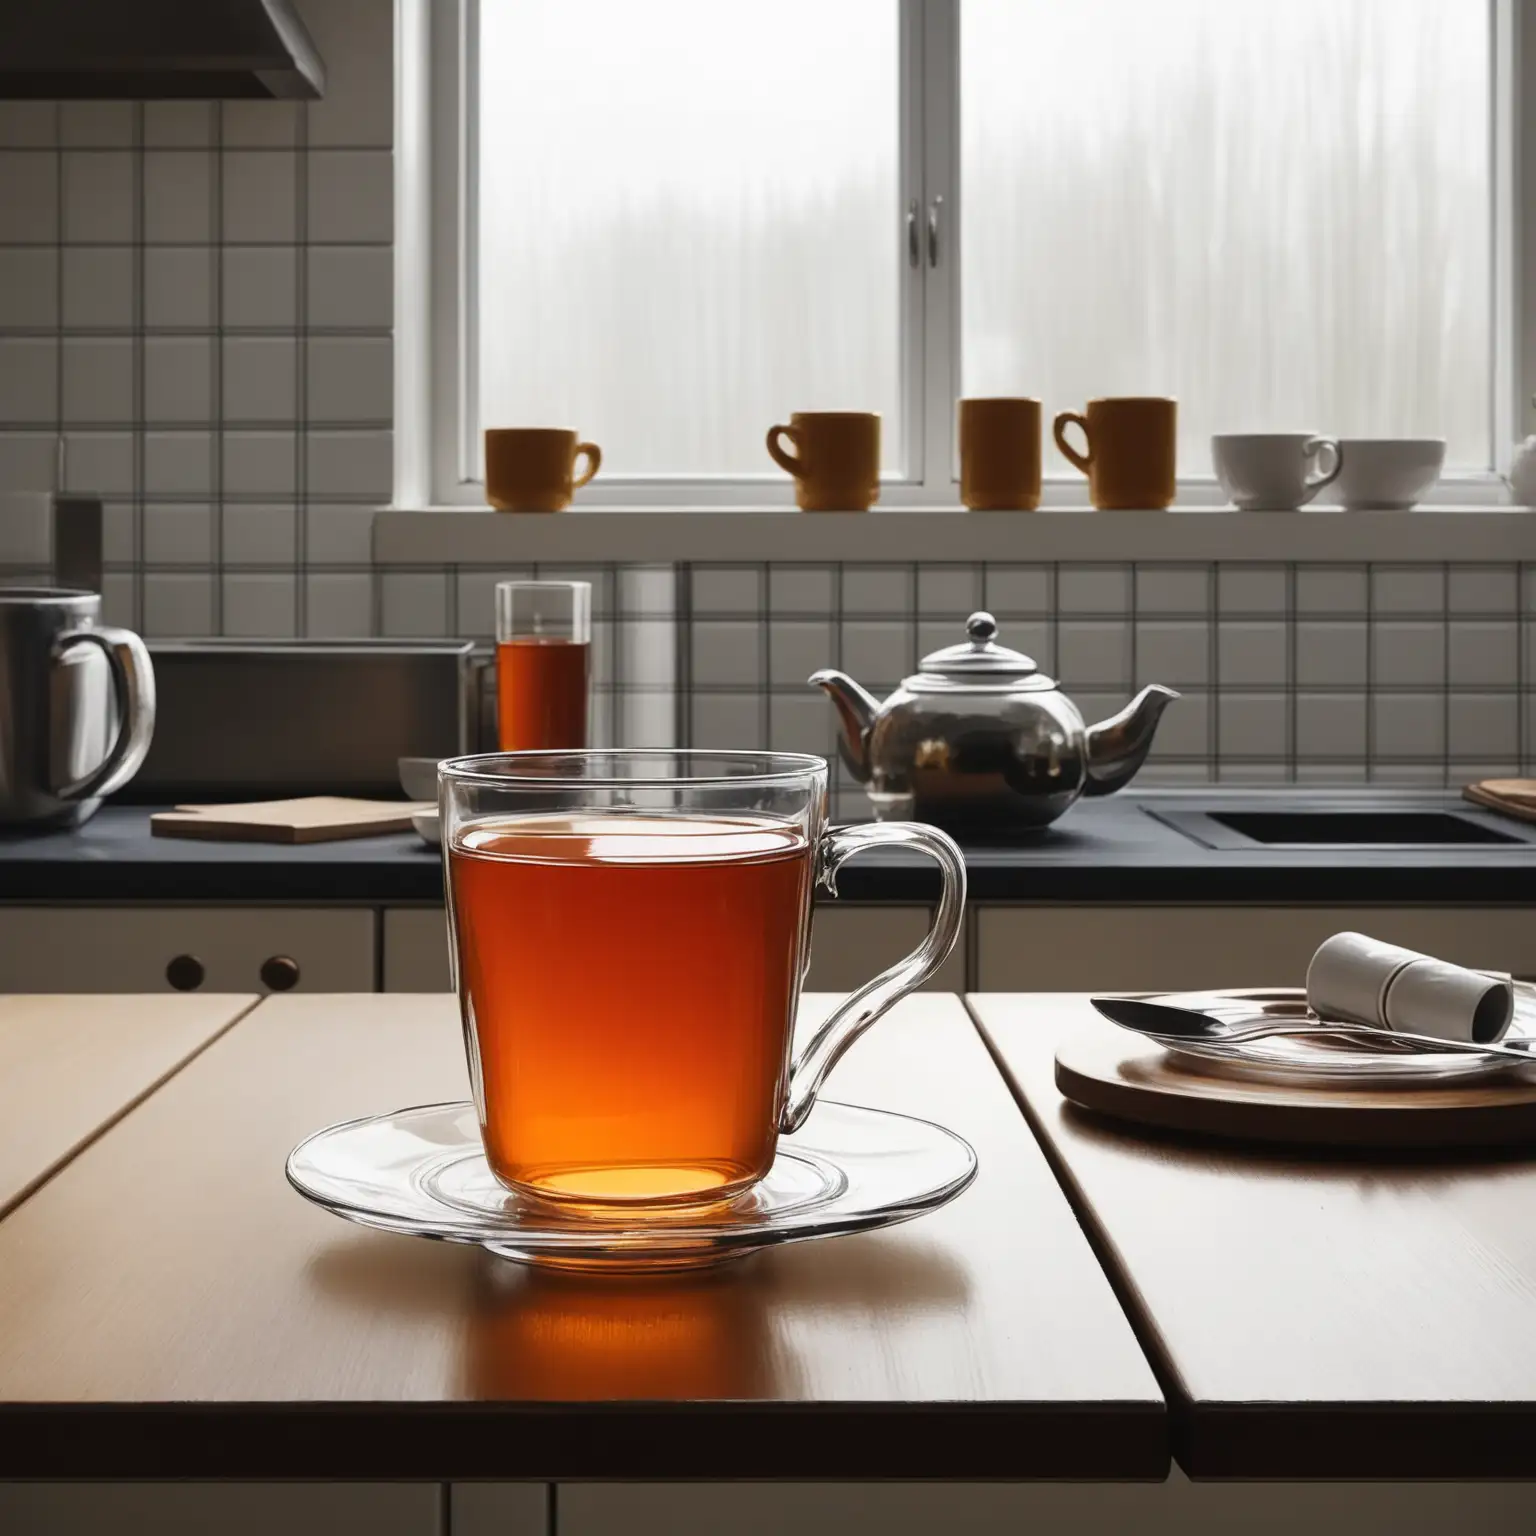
190 949
1166 948
849 945
416 950
231 1509
1176 1507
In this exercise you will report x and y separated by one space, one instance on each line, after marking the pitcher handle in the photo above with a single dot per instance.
874 998
133 686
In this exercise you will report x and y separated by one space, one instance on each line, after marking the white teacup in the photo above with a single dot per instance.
1274 471
1387 474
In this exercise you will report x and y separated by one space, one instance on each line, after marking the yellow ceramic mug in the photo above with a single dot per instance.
533 469
1130 462
836 462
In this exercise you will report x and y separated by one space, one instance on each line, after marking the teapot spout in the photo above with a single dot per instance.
856 710
1118 746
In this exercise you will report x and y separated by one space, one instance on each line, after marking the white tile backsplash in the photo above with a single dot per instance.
1339 590
1408 654
1252 725
1173 651
876 590
727 721
877 652
338 605
1173 590
356 40
1332 653
178 287
1483 590
98 197
177 605
29 194
1093 652
1017 589
1096 590
178 535
260 463
178 379
98 461
952 592
178 196
28 379
261 605
260 378
351 196
263 124
260 196
98 380
29 288
1485 725
343 535
262 535
1408 724
1251 654
413 603
261 286
727 653
1483 653
796 648
350 464
728 591
178 461
351 379
1407 590
96 124
28 124
351 286
178 124
98 288
1252 589
1330 725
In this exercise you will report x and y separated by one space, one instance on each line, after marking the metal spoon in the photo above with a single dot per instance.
1162 1021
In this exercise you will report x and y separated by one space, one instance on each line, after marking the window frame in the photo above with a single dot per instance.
437 244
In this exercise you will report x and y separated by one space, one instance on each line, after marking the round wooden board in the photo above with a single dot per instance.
1106 1069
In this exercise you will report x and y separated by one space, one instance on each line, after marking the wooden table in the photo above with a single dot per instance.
1310 1316
170 1308
72 1066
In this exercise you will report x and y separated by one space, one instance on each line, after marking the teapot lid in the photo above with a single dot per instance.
980 656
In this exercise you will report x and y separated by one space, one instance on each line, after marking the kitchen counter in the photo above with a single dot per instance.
1111 850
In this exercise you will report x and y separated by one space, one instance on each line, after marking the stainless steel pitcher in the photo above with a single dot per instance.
77 706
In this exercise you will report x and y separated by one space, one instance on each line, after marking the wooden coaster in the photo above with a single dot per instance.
1108 1070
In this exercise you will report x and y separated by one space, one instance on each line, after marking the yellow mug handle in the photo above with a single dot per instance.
1059 432
787 461
594 458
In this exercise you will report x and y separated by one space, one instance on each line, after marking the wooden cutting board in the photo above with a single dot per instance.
1105 1069
1514 797
310 819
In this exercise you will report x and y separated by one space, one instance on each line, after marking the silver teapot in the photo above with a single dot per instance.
981 741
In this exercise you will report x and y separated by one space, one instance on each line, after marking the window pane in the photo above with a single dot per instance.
1277 212
688 223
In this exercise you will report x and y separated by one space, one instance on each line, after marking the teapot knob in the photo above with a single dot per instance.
982 629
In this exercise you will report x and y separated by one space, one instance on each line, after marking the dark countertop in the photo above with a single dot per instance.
1110 850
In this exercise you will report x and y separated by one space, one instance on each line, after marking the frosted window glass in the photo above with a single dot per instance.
1277 212
689 223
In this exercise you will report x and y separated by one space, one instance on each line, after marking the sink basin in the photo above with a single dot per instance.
1341 828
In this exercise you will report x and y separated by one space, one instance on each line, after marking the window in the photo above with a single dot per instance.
669 223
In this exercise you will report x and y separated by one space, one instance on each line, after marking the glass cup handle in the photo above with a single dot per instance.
874 998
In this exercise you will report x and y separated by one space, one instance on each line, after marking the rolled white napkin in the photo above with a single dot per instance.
1364 981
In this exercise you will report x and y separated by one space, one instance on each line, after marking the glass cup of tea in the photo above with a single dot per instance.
543 664
630 930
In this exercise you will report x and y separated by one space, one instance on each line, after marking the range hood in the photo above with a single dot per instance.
156 50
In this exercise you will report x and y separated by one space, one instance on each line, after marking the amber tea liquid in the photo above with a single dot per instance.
541 694
631 981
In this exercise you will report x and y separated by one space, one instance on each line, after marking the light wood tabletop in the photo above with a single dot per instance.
70 1066
1311 1314
170 1308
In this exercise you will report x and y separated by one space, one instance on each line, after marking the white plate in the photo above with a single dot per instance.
428 827
1321 1058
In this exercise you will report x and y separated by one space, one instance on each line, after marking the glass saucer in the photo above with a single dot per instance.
423 1172
1322 1058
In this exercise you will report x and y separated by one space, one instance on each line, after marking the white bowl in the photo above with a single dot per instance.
1386 474
418 776
428 827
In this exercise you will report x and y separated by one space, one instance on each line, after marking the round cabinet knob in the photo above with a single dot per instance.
279 973
185 973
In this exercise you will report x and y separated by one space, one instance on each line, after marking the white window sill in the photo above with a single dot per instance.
478 536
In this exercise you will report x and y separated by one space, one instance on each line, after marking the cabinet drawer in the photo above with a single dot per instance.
131 949
852 944
416 950
1123 949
